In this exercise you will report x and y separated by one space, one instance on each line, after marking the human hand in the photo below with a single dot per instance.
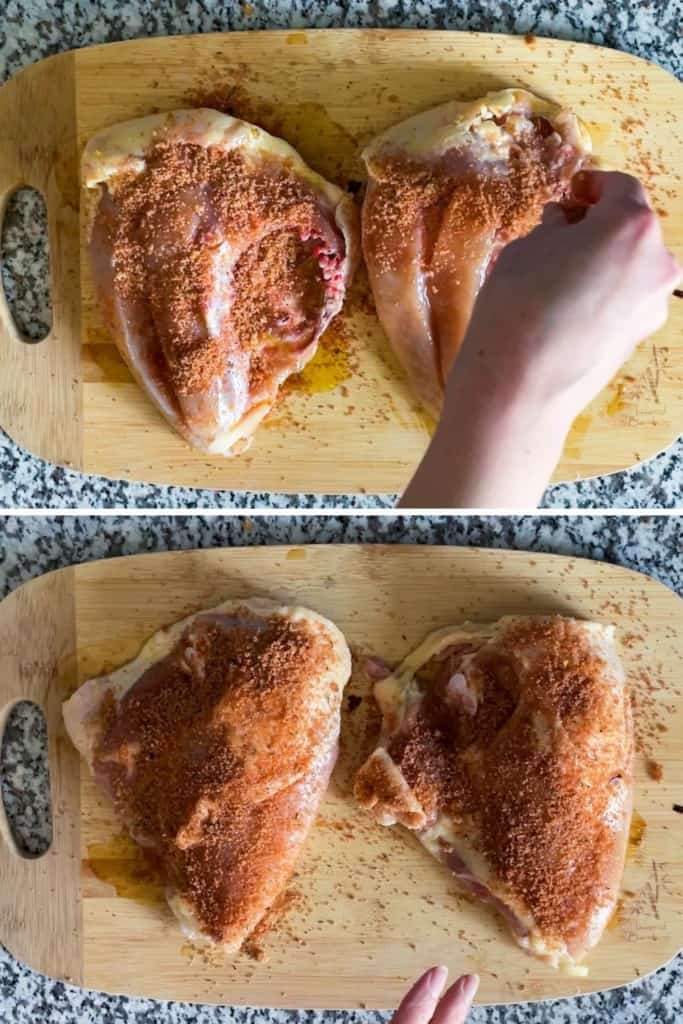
564 307
423 1003
561 311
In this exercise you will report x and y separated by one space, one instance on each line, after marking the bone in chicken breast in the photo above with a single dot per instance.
447 189
507 749
216 745
219 259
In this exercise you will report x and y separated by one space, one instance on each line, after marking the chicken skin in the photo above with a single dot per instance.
219 259
216 745
507 749
447 189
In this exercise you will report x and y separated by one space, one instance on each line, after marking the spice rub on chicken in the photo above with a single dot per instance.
447 189
216 745
219 258
507 749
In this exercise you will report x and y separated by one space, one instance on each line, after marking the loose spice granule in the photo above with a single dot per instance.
271 922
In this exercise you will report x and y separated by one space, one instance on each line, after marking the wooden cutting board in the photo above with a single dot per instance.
372 908
349 422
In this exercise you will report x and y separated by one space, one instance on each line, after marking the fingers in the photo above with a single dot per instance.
603 189
563 214
623 212
457 1002
587 187
595 188
419 1002
553 215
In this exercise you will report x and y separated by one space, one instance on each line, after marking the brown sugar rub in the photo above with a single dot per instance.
216 745
447 189
219 258
508 749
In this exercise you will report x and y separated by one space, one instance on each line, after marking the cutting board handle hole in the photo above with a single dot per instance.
25 780
26 264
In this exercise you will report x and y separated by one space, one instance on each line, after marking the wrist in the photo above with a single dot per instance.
518 374
496 444
490 450
483 404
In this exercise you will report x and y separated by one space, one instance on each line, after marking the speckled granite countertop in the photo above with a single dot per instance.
30 546
31 29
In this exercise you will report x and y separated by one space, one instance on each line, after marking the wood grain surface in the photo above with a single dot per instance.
370 908
349 423
40 899
41 394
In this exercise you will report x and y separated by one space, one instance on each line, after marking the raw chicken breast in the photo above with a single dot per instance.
507 749
447 189
219 258
216 745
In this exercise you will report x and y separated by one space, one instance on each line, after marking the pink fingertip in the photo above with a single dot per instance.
470 984
437 978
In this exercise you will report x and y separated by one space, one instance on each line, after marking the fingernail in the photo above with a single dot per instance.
437 979
470 984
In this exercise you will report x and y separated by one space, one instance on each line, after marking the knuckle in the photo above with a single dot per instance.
637 223
634 211
639 214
